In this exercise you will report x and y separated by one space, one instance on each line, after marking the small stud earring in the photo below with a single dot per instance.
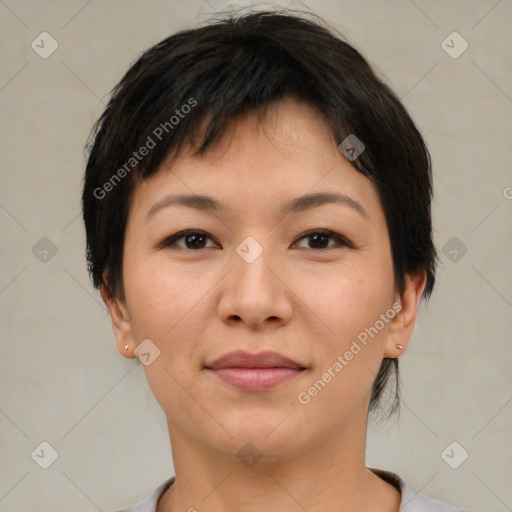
400 347
126 348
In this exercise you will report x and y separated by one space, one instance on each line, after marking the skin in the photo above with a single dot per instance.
306 299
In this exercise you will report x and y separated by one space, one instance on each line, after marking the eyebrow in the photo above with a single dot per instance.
296 205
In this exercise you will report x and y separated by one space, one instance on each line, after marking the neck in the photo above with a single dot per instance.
322 476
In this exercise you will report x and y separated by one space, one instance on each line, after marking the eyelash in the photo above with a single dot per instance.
341 241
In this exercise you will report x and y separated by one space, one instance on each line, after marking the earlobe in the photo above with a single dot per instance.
402 325
120 323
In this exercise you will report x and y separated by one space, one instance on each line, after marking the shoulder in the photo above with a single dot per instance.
149 503
412 501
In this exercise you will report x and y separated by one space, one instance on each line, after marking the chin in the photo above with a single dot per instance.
271 432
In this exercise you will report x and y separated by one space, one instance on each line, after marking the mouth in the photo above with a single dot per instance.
255 372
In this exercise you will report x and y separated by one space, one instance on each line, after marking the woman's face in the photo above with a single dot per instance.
249 279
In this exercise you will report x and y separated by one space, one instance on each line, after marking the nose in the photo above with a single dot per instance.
256 293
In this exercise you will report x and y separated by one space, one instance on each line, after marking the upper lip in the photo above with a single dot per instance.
241 359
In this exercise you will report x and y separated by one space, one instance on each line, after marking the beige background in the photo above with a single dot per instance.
63 381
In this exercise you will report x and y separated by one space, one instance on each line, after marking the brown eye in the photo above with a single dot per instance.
319 239
193 240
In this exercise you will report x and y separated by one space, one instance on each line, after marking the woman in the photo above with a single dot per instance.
257 210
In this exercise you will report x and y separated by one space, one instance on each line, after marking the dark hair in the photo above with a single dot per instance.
242 63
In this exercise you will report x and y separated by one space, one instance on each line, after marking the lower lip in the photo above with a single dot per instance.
256 379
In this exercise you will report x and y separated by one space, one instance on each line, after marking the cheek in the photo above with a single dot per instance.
165 307
353 305
145 296
348 361
349 301
169 305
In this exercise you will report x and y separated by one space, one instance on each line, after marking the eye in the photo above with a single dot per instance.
193 240
320 237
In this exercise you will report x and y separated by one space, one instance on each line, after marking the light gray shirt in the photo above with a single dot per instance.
410 502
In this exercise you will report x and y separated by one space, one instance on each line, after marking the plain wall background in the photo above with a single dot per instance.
63 381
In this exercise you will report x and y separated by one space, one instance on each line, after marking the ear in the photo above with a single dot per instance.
402 325
120 322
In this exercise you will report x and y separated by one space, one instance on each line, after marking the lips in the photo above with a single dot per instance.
255 372
242 359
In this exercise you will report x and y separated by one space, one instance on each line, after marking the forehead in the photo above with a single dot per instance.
264 157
